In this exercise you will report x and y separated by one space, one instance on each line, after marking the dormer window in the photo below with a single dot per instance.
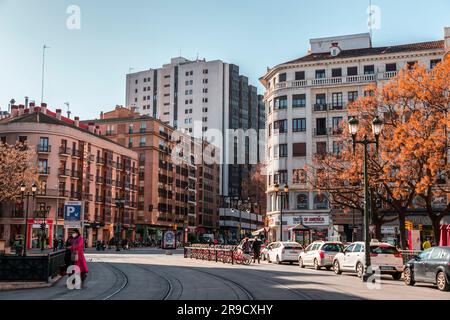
335 50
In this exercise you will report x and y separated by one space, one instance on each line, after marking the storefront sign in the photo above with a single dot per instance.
316 221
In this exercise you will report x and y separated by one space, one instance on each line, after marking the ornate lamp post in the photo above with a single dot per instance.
285 194
27 195
377 125
44 213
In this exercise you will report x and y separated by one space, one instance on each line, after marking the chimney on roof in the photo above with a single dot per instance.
77 121
447 39
44 108
97 130
35 109
26 102
58 114
21 109
14 111
91 126
32 104
102 115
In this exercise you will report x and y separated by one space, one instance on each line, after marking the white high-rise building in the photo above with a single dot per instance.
197 96
306 104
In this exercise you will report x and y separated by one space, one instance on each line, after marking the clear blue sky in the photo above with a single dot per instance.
87 67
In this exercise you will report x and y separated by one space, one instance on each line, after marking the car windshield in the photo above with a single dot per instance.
383 250
333 247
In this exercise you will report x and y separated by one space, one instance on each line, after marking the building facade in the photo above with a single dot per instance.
176 189
306 104
74 163
203 99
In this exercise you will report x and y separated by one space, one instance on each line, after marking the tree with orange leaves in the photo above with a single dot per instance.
411 165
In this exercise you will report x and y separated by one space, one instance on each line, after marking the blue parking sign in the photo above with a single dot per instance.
73 213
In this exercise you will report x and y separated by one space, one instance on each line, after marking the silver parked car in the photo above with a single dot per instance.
320 254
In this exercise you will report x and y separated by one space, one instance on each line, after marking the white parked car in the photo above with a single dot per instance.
384 258
280 252
320 254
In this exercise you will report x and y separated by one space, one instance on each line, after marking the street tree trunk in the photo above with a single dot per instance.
401 221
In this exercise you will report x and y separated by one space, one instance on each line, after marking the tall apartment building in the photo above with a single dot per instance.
74 163
198 97
174 191
306 103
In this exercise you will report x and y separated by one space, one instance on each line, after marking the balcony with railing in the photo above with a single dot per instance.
62 172
119 184
99 199
99 179
44 170
75 195
100 160
320 131
65 151
44 148
77 153
76 174
320 107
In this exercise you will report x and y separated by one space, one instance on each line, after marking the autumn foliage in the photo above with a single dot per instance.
16 167
410 169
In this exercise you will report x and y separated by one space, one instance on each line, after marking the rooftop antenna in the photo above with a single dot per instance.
43 72
197 55
68 109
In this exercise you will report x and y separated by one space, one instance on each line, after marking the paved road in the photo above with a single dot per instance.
151 274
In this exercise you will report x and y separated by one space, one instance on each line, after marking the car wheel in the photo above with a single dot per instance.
359 270
397 276
278 260
409 278
337 267
316 265
300 263
442 282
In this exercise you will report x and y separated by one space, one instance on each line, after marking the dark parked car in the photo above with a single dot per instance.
432 266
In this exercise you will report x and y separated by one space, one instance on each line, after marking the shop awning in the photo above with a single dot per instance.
258 232
299 227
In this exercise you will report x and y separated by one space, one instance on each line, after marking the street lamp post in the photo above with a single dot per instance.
27 195
44 212
285 194
376 129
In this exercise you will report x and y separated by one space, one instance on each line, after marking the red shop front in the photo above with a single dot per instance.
34 231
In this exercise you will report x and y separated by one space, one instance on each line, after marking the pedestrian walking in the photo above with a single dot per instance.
77 249
55 244
68 254
256 247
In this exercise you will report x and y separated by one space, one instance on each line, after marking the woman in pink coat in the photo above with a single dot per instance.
78 258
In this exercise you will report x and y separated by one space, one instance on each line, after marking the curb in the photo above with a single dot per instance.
8 286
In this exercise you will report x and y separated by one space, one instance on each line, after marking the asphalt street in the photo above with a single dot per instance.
150 274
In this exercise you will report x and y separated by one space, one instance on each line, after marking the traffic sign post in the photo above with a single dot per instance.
74 215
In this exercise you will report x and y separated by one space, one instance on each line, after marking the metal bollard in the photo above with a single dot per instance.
217 258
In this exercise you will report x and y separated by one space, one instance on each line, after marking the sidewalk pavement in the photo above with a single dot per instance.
6 286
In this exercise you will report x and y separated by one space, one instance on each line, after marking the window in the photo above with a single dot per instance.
390 67
44 144
299 176
205 80
299 101
320 201
411 64
337 147
337 100
282 77
205 100
321 127
43 166
433 63
281 102
370 69
302 201
299 125
352 96
337 125
352 71
300 75
299 149
280 126
321 99
321 148
3 140
22 139
337 72
143 128
280 177
205 71
205 119
188 120
205 109
282 150
320 74
205 90
142 142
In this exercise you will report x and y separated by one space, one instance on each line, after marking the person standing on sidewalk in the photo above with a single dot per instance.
256 247
77 249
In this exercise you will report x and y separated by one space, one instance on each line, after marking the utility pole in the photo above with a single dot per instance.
43 72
